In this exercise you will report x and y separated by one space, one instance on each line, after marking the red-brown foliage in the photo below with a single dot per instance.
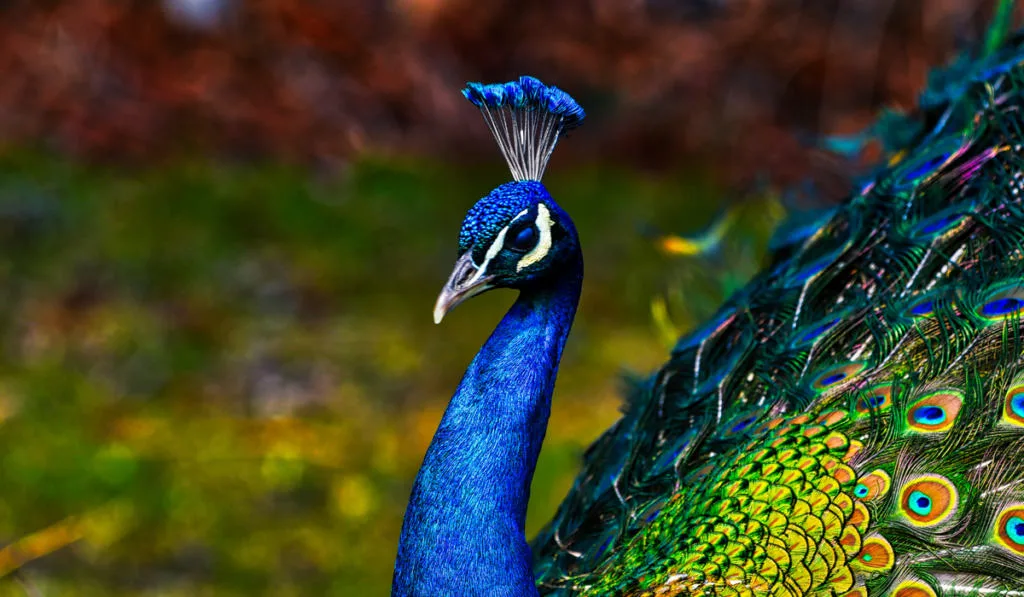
727 81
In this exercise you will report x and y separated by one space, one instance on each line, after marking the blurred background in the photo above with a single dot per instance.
223 224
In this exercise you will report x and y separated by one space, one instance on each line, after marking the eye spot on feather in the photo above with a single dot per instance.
670 453
929 415
939 225
876 556
831 379
700 474
739 424
874 400
920 309
872 485
928 500
595 547
836 376
923 309
812 333
935 412
805 273
923 306
912 588
1013 406
653 510
919 166
704 332
1009 528
738 427
925 167
1002 304
822 250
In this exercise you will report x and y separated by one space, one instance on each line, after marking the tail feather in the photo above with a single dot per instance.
851 422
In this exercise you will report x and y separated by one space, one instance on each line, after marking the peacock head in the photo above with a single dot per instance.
516 236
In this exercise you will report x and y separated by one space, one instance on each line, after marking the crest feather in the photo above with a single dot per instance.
526 118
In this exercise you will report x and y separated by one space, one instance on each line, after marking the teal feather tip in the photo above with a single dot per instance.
526 118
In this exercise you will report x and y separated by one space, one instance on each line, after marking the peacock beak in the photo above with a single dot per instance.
465 282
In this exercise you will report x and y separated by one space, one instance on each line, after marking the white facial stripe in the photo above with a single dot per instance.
496 246
519 215
492 252
544 223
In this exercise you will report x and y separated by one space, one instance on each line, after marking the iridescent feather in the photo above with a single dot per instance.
851 422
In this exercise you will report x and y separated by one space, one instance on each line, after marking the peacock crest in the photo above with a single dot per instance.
526 118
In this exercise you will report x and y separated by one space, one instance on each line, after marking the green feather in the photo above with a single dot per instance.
851 422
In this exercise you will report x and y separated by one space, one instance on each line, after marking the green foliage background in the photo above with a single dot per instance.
220 379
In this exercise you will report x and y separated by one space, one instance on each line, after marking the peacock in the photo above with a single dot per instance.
849 423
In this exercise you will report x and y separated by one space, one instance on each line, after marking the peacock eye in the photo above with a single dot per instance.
523 239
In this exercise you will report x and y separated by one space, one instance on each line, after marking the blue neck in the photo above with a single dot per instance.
464 530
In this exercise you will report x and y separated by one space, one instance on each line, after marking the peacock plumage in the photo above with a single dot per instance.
850 423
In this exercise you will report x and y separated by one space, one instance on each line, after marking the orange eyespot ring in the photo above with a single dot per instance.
836 376
912 588
929 500
1013 406
935 412
872 485
874 400
1009 529
875 556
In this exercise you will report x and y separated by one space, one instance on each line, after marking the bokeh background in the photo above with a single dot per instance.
223 224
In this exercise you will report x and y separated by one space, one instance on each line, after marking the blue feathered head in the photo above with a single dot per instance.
517 235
